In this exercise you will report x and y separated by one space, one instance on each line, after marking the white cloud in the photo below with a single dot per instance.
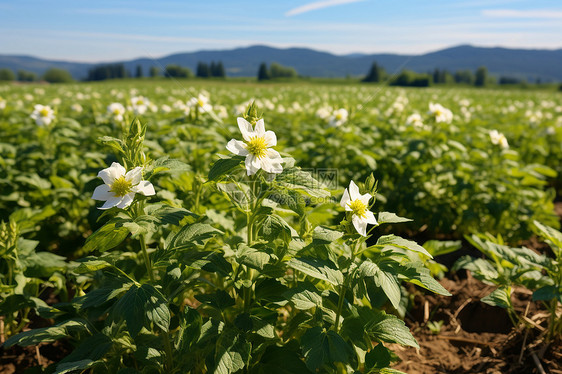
318 5
532 13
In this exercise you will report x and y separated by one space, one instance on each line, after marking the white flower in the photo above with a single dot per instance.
139 104
2 103
338 118
440 113
120 186
76 108
201 102
116 110
256 148
43 115
498 139
358 204
324 112
414 120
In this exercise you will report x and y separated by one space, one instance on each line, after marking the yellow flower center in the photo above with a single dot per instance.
358 208
116 111
121 186
200 102
44 112
140 102
257 146
437 112
339 116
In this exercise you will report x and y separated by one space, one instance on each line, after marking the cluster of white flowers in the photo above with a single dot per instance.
116 111
200 103
139 104
43 115
415 120
2 103
439 113
338 117
76 108
120 186
498 138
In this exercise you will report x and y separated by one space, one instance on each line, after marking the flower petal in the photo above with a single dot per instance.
126 200
110 203
245 128
260 127
370 218
134 176
365 199
345 199
102 193
111 173
251 169
237 147
270 138
359 224
354 191
144 188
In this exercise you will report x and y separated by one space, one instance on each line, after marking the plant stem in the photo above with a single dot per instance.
345 285
146 258
168 349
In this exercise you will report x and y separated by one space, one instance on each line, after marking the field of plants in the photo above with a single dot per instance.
157 226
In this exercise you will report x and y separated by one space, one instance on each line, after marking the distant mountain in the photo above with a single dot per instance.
520 63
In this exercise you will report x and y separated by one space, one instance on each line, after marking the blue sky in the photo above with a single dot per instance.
95 31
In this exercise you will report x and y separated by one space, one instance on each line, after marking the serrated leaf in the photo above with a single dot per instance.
321 347
232 353
91 266
304 297
398 242
297 179
46 334
500 297
223 166
417 273
252 257
385 280
190 235
316 268
390 329
387 217
106 237
324 235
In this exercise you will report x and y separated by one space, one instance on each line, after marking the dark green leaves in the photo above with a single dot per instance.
324 348
190 235
106 237
232 353
319 269
223 166
141 306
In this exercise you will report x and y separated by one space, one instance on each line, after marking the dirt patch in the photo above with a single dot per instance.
474 337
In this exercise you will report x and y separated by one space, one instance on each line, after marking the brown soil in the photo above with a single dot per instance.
20 359
475 337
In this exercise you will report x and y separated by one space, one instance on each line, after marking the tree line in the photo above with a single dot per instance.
479 78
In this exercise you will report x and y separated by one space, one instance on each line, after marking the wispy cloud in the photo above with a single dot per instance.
514 13
318 5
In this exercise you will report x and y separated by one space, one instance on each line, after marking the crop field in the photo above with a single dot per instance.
162 226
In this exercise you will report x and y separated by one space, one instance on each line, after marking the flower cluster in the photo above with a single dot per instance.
43 115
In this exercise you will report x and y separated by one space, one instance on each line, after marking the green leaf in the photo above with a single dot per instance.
251 257
165 165
106 237
223 166
190 329
319 269
304 297
546 293
69 367
398 242
219 300
324 235
385 280
390 329
91 266
377 358
296 179
500 297
232 353
166 214
190 235
90 350
441 247
417 273
553 236
387 217
321 347
274 227
280 360
140 306
13 303
46 334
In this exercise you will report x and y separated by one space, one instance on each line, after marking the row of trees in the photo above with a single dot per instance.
52 75
275 71
479 78
213 69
